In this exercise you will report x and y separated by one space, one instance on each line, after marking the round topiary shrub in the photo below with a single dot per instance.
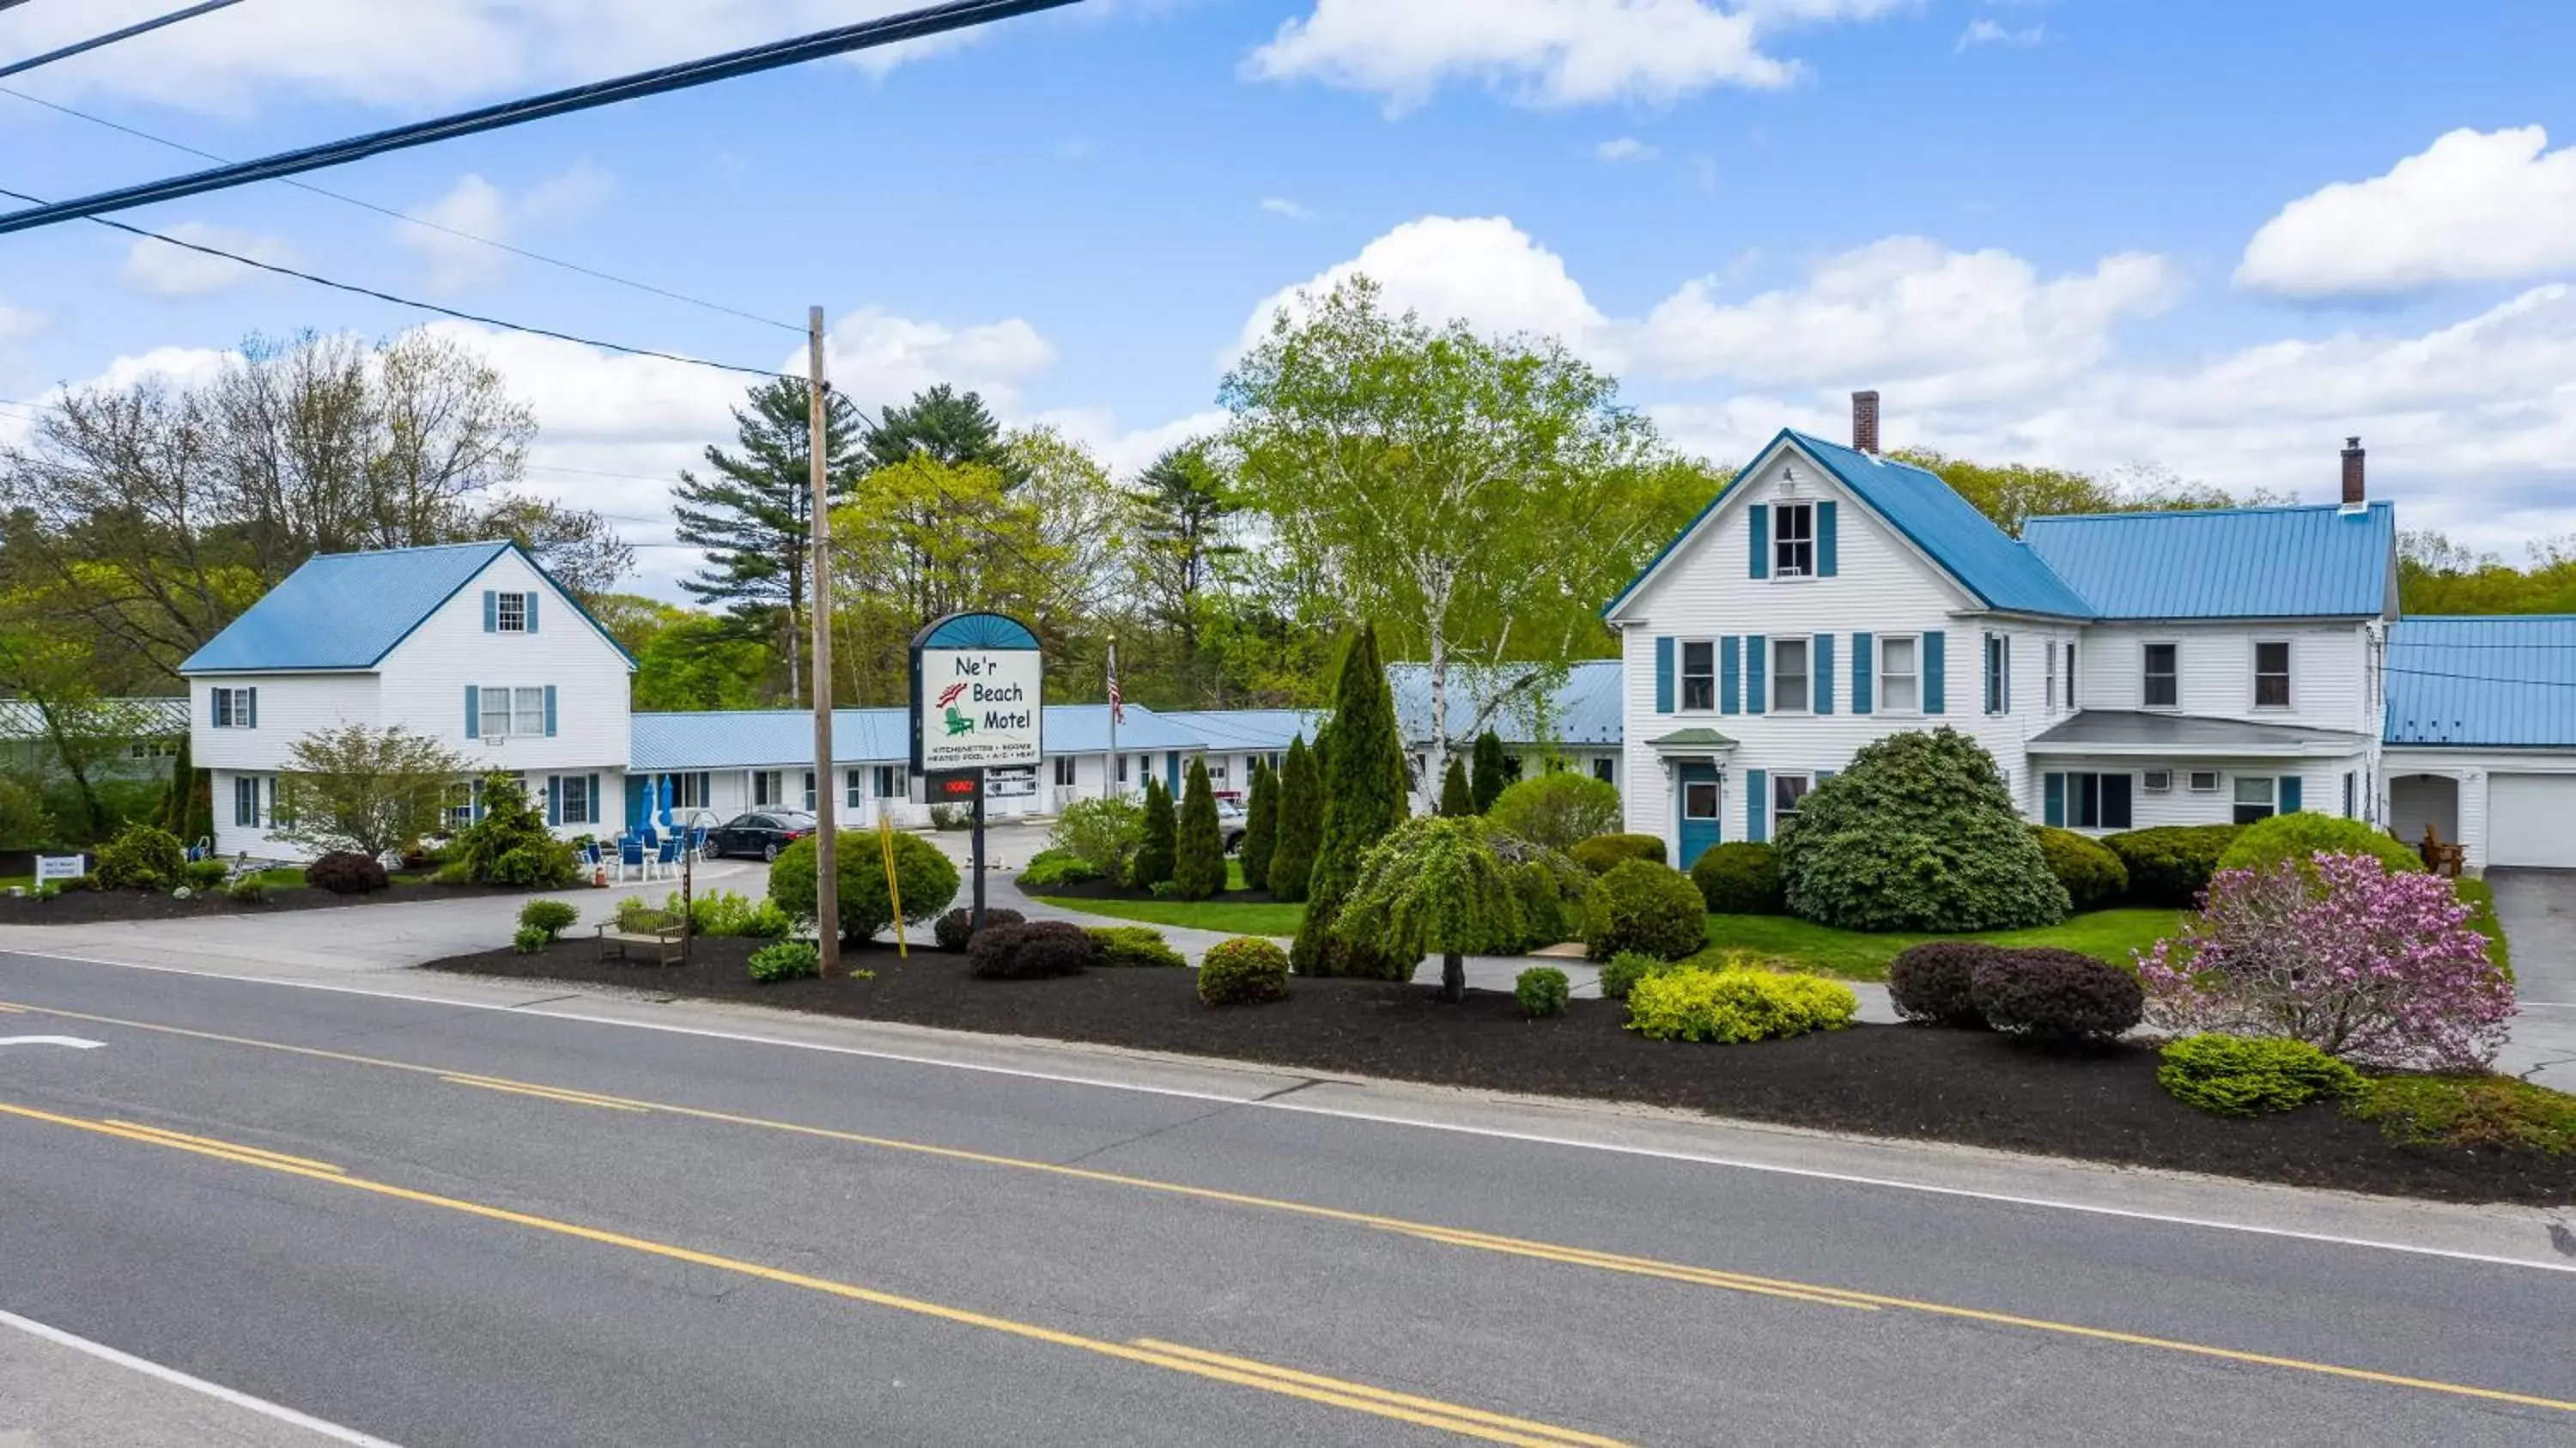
2056 995
1558 809
554 917
2303 836
1739 878
2171 864
1542 990
1601 853
927 881
346 872
952 930
1931 982
539 864
1735 1004
784 960
2244 1075
1620 974
140 858
1645 907
1244 971
1918 834
1033 950
2092 875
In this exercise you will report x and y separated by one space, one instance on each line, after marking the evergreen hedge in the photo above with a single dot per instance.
1918 834
1364 799
1161 848
1487 781
1260 826
1300 827
1457 801
1198 858
2171 864
2092 875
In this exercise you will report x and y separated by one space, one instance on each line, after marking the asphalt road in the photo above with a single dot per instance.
441 1223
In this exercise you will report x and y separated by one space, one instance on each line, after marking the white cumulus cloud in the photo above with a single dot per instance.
1483 268
474 212
160 269
1282 206
1982 31
1625 148
2473 207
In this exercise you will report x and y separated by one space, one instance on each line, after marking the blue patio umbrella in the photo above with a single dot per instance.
668 782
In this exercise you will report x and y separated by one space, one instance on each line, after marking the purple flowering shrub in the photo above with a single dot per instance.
2372 967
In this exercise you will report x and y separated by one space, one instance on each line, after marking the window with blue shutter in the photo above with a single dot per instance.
1864 649
1730 675
1663 676
2053 810
550 711
1936 671
1825 561
474 710
1757 801
1755 647
491 611
1823 669
1758 519
2290 800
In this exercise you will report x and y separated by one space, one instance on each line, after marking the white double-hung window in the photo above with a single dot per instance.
1900 675
512 712
1793 540
1790 689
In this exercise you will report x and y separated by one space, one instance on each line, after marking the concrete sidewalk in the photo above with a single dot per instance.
2538 911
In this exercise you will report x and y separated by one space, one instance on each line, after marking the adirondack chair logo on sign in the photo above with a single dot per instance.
957 723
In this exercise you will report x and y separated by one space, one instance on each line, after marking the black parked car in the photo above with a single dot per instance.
761 834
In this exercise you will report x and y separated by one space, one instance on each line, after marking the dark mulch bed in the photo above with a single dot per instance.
1893 1081
88 907
1103 890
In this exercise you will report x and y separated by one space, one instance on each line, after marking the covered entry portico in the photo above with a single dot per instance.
1694 762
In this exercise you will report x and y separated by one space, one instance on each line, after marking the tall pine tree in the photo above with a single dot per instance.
1364 799
1155 857
1488 782
1301 823
1260 826
1198 857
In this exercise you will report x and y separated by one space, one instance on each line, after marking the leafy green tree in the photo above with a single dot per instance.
1559 809
703 662
1478 497
24 825
1158 855
753 512
360 788
2437 576
1489 779
2013 493
1301 823
1457 800
1198 859
1364 799
1260 826
1434 886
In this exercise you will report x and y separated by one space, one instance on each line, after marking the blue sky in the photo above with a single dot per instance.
2095 232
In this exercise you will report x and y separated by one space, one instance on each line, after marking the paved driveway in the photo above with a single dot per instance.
2538 910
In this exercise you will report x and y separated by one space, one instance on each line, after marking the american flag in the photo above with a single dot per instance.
1117 705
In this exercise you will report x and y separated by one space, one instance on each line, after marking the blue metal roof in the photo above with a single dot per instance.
1586 709
2293 562
2505 680
775 738
1246 731
348 610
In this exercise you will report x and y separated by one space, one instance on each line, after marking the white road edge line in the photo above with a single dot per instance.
1383 1119
173 1376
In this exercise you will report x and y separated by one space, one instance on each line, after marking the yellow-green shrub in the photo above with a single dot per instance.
1736 1003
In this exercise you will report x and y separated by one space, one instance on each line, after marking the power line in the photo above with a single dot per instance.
911 25
95 42
414 220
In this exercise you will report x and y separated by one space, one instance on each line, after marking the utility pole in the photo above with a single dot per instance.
827 876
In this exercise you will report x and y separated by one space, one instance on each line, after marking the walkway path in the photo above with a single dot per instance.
2538 911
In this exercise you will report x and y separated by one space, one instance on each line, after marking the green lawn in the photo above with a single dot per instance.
2107 934
1193 914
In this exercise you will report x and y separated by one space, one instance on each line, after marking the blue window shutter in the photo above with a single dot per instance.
1759 518
248 701
554 800
473 712
1730 669
550 711
1663 676
1864 652
593 795
706 787
1757 796
1825 539
2290 794
1936 670
1755 647
1986 653
2054 811
532 613
1821 669
214 708
491 611
1825 774
2003 696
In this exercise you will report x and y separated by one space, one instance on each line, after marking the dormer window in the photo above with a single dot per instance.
1793 540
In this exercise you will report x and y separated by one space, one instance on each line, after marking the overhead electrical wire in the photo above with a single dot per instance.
140 27
842 40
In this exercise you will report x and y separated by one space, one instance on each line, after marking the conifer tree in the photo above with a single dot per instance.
1198 857
1154 858
1488 782
1456 799
1364 798
1301 823
1260 826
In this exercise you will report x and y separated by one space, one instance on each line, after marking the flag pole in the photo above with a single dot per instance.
1109 786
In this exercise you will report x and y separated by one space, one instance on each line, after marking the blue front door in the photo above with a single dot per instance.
1172 773
1699 811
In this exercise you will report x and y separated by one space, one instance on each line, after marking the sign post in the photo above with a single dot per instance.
977 704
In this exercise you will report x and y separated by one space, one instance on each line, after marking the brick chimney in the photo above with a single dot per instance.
1865 423
2353 496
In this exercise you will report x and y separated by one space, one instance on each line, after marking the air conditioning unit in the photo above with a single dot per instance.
493 741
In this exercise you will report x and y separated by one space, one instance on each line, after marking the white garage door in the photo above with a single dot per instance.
2531 819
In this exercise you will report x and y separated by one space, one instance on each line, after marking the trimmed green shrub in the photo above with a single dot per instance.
1736 1004
1645 907
1559 809
637 918
2171 864
724 913
2479 1113
1542 914
1932 982
784 960
1198 860
346 872
2092 875
951 932
249 890
540 864
529 939
510 844
1918 834
1135 947
1159 842
1620 974
453 873
1032 950
2055 995
1244 971
2303 836
2479 896
1601 852
1365 798
2247 1075
1542 990
24 824
1739 877
140 858
203 875
1260 826
1457 800
1300 828
927 881
1052 867
1489 778
1103 834
554 917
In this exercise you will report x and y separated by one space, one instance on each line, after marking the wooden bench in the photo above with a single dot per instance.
667 940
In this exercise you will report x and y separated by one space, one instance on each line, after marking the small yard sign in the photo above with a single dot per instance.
976 694
51 868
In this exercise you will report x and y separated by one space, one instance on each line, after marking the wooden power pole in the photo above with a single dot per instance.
827 877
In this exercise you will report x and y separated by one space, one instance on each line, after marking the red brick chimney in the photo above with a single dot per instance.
2353 496
1865 423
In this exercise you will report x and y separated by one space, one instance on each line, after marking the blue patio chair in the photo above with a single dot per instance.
698 835
667 855
630 855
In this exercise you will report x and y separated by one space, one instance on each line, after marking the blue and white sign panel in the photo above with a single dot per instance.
977 685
